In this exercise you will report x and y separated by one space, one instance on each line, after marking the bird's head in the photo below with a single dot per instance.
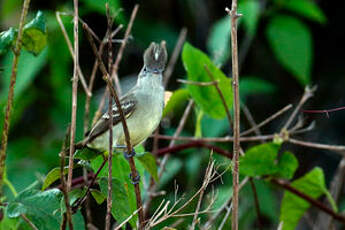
155 57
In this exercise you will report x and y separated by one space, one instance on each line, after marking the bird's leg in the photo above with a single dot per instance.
135 180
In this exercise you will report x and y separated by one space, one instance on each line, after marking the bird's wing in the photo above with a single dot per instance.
128 103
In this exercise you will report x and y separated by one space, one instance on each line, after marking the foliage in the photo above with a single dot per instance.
278 43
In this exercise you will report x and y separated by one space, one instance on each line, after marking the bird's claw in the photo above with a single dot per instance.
129 155
136 179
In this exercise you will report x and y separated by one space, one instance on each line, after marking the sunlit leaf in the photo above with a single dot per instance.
35 34
306 8
287 165
291 43
98 196
294 207
260 160
149 162
86 154
178 98
251 12
53 176
206 97
218 42
7 39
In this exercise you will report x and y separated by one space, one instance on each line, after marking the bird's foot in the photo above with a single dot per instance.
136 179
128 155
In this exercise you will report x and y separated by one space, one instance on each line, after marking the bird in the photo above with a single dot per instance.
142 105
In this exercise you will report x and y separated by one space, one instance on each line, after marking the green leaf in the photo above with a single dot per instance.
254 85
291 43
206 97
218 42
260 160
98 196
35 34
40 207
121 171
8 223
86 154
53 176
7 39
149 162
120 208
294 207
251 13
28 69
177 99
287 165
306 8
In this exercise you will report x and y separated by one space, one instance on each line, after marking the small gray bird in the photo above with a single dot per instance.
142 105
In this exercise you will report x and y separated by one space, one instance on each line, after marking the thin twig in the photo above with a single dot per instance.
70 48
193 144
226 108
7 119
308 93
218 139
166 157
128 219
210 222
92 80
110 114
201 195
337 148
114 72
228 210
74 95
80 201
134 172
171 65
68 215
256 202
26 219
236 99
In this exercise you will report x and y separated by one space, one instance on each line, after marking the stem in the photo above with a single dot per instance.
134 172
235 83
68 215
74 96
7 120
110 113
115 68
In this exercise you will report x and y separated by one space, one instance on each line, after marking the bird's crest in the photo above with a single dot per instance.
155 57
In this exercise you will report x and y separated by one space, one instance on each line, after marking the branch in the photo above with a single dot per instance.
174 56
235 83
106 77
70 48
115 67
74 96
308 93
7 119
110 113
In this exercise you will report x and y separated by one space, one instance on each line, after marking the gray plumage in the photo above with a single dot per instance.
142 105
